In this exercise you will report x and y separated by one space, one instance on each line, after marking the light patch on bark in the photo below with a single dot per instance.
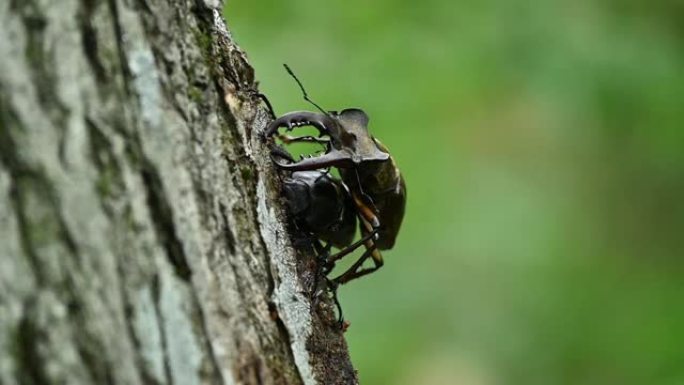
146 83
146 324
184 354
293 307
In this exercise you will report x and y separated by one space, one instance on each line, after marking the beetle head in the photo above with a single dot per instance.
350 137
350 140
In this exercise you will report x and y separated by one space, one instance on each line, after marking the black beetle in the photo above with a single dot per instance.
322 205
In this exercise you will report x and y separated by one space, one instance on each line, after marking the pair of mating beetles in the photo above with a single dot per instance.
371 188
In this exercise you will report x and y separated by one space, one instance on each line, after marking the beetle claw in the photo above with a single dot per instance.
332 286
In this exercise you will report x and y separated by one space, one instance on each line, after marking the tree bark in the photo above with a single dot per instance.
142 239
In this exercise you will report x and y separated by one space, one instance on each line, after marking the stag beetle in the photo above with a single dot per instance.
375 183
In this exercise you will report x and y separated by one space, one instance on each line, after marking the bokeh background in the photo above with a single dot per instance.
543 146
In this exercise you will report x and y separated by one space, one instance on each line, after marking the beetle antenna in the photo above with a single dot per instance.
301 86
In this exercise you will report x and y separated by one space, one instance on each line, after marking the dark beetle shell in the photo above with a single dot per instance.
323 205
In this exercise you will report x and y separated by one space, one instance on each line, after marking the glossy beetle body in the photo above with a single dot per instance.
383 183
322 205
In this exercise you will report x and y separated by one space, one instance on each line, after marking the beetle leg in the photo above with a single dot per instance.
360 273
368 201
322 268
353 272
332 286
366 213
370 227
349 249
321 251
371 251
268 104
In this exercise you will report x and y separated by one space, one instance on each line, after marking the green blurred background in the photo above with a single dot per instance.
543 146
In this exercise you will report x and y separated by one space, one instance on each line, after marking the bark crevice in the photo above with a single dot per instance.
162 218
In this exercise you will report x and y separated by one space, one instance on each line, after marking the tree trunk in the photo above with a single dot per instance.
141 235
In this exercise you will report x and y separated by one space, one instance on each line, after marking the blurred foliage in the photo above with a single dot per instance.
543 146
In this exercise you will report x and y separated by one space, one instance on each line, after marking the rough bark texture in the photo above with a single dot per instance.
141 235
